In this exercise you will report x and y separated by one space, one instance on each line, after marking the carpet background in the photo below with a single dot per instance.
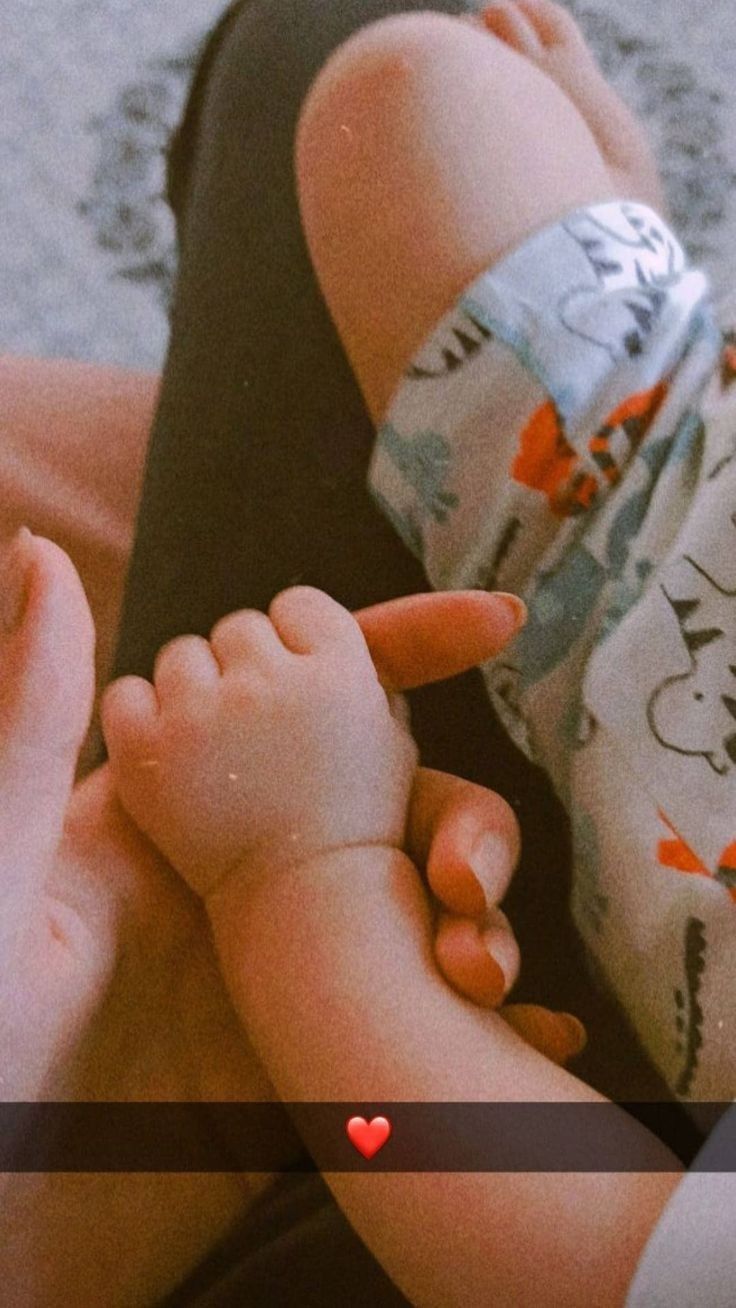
91 89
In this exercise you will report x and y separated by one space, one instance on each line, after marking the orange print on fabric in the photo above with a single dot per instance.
637 414
680 857
727 869
676 854
548 463
728 361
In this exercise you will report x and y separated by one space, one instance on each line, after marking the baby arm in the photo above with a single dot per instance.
376 1023
269 769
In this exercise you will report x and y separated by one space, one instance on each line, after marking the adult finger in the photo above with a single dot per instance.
559 1036
466 836
418 639
479 959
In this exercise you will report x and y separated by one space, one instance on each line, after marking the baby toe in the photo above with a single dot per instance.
511 25
307 620
552 23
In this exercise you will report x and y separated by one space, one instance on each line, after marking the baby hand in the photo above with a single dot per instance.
270 743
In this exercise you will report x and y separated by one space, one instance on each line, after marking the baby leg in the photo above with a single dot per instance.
429 148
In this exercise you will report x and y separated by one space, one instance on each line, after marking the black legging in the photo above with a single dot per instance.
256 472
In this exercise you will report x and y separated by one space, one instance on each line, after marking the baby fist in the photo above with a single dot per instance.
268 744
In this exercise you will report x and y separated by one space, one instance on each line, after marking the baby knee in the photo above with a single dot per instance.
386 50
373 81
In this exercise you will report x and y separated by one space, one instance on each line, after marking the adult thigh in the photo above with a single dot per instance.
255 476
256 470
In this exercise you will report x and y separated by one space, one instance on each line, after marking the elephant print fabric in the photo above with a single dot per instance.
568 433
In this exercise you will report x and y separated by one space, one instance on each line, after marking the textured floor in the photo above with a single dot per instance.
91 88
86 98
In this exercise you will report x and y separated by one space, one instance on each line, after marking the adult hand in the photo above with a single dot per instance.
143 1014
166 999
465 837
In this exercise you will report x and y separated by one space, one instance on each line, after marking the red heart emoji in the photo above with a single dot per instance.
368 1137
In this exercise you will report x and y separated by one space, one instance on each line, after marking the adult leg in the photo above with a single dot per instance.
257 461
256 472
256 478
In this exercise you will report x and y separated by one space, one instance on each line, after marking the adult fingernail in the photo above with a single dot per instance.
492 981
514 610
575 1032
16 557
489 861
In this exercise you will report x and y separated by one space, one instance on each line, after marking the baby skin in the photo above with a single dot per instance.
272 770
109 984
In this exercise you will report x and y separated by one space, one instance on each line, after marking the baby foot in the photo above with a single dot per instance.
48 954
547 34
268 744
